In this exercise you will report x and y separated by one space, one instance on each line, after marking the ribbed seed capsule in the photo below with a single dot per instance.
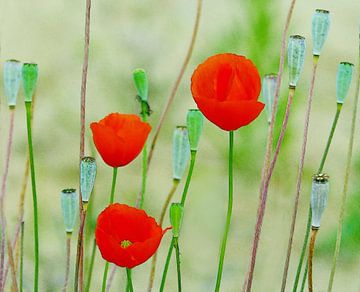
12 79
268 93
195 124
320 29
70 207
30 76
141 83
343 81
319 197
87 177
176 216
181 151
296 57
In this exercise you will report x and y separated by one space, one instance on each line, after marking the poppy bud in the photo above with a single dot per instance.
195 124
141 83
320 29
268 93
319 196
176 216
87 177
12 78
30 77
343 81
70 207
296 57
181 151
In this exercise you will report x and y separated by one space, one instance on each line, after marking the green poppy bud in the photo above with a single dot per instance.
30 77
87 177
195 124
343 81
320 29
181 151
141 83
12 78
319 197
70 208
176 216
296 57
268 93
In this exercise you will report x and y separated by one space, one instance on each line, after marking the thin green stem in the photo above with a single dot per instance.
129 280
177 254
229 211
21 257
33 187
144 165
166 267
303 282
92 260
67 267
189 176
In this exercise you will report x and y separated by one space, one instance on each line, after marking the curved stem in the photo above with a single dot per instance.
68 252
168 200
229 211
299 174
310 259
129 280
91 268
33 186
166 267
177 254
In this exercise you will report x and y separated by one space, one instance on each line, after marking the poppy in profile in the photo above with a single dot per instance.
226 88
119 138
127 236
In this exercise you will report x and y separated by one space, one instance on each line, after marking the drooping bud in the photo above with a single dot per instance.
176 216
87 177
70 207
343 81
12 79
296 57
320 29
268 93
319 197
195 124
30 77
141 83
181 151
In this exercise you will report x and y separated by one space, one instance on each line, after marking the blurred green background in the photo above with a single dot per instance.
155 35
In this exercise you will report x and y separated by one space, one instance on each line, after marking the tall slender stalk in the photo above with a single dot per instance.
92 260
129 280
310 260
229 211
14 286
178 269
78 282
67 266
346 179
166 267
144 165
303 282
300 173
22 256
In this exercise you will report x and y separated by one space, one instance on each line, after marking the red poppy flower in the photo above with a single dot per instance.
119 138
226 88
127 236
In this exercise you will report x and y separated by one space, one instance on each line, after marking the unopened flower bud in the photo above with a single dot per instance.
87 177
268 93
195 124
12 78
343 81
296 57
176 216
141 83
319 197
30 77
70 207
181 152
320 29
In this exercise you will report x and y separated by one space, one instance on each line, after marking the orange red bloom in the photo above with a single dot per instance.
119 138
226 88
127 236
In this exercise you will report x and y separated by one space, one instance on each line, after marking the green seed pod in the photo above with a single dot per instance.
195 124
70 208
343 81
268 93
30 77
320 29
87 177
141 83
12 78
296 57
176 216
319 197
181 152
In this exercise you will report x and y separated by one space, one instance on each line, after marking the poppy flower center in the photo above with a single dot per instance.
125 243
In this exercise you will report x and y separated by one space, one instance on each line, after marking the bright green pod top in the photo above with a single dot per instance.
12 79
30 77
141 83
343 81
319 197
176 216
181 151
195 124
268 93
296 57
320 29
70 208
87 177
